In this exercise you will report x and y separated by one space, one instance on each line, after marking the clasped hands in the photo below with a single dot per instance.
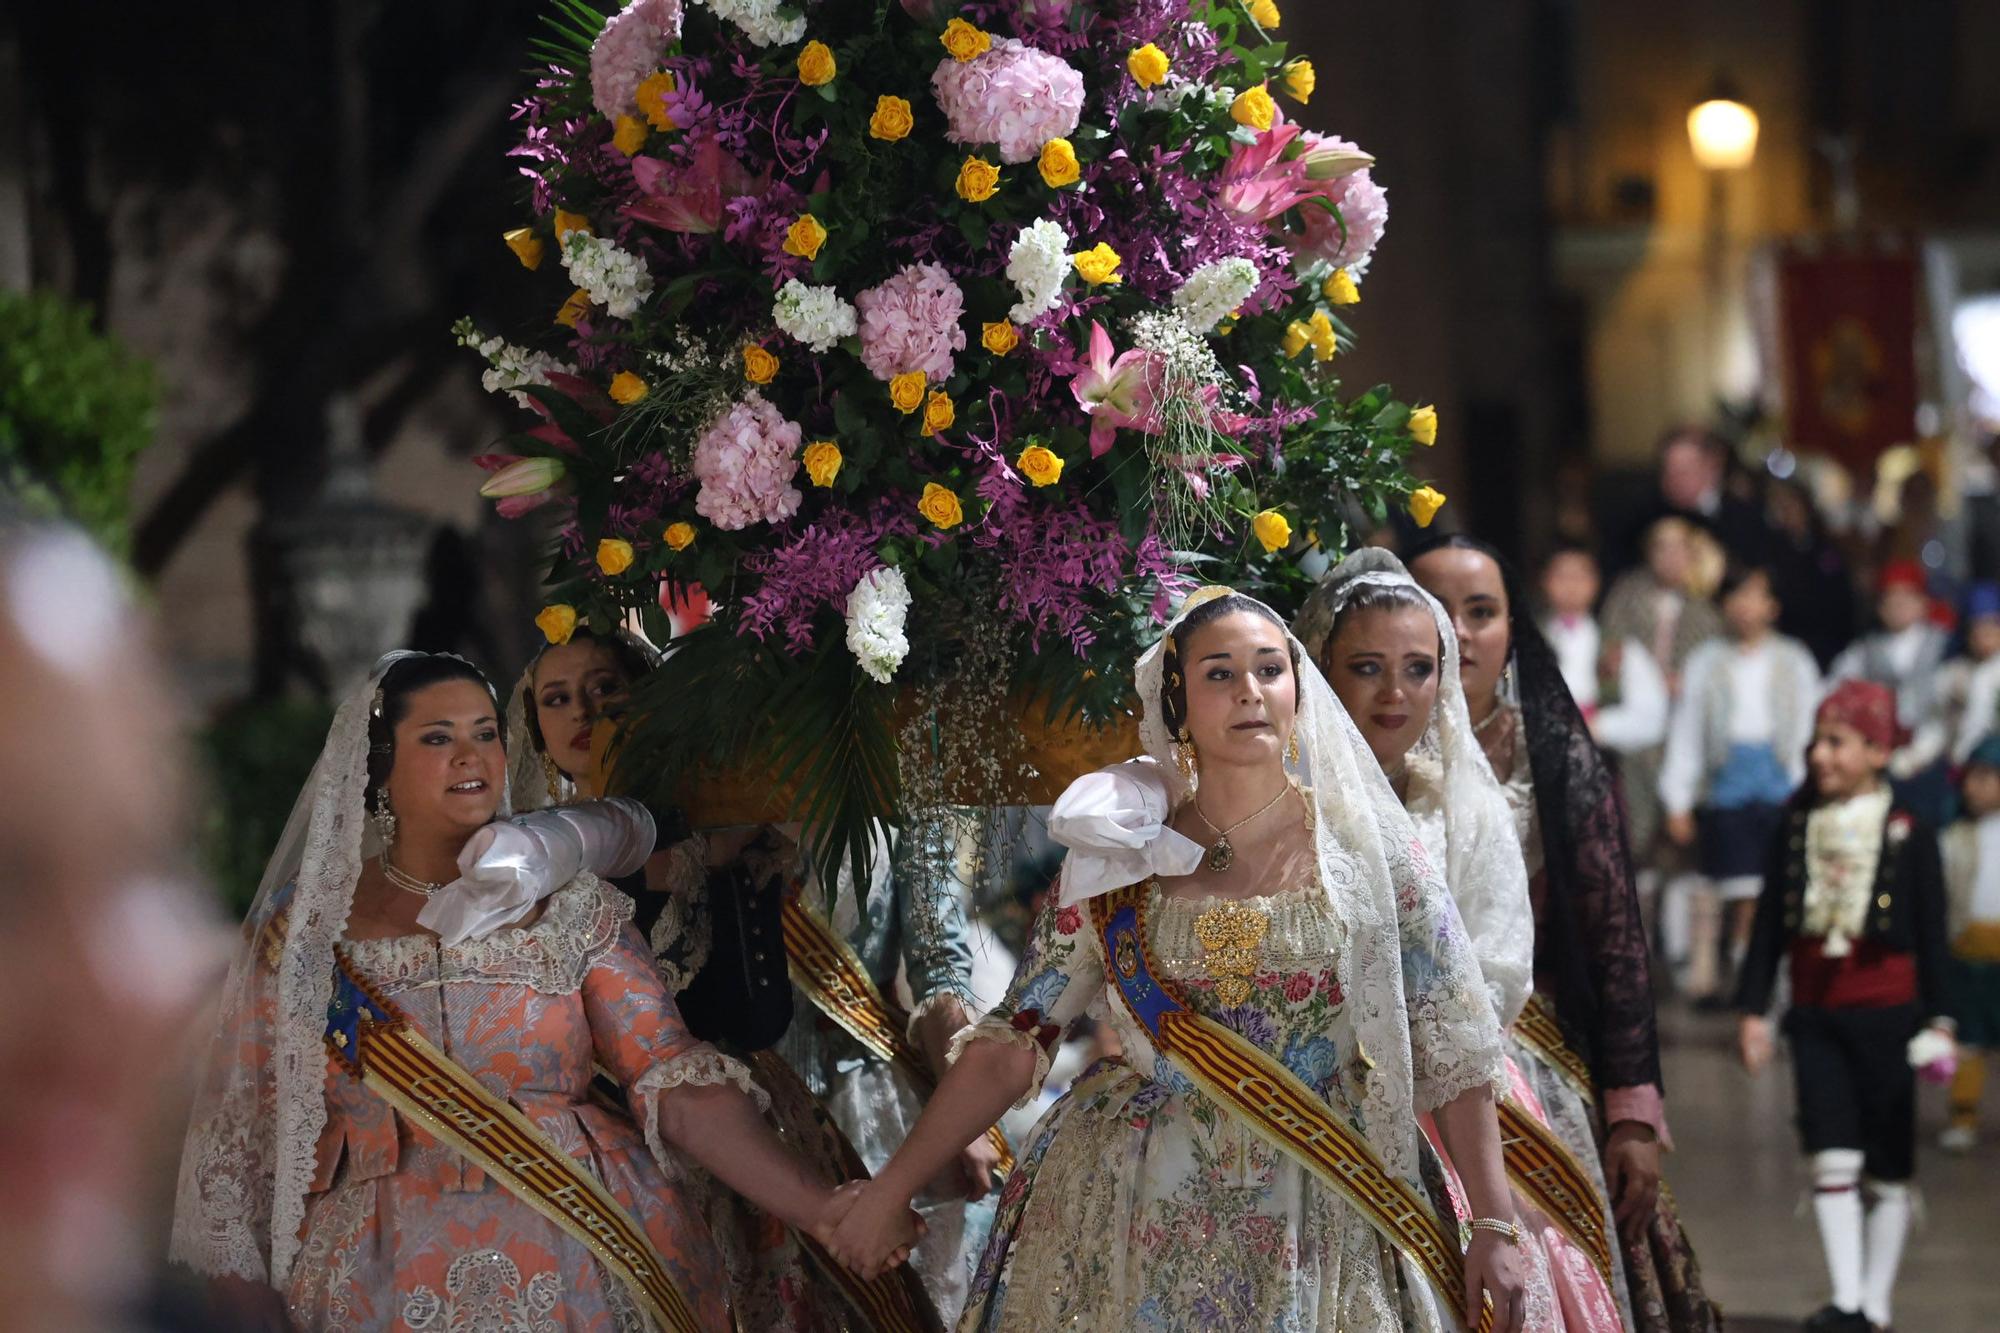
867 1229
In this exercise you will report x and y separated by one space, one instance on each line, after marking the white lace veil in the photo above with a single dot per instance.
250 1155
1457 804
1384 891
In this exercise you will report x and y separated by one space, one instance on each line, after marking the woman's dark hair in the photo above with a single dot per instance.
1591 939
1376 597
1173 679
392 704
630 657
1738 573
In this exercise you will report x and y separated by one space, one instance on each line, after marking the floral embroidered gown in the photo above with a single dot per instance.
1140 1204
402 1234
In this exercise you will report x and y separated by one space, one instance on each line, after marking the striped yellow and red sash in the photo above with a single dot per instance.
1548 1176
895 1301
1541 1033
833 978
1272 1102
378 1045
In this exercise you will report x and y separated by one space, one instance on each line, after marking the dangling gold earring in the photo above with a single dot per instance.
385 818
554 776
1186 760
1292 748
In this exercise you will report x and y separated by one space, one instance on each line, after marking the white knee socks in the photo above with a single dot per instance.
1888 1224
1836 1177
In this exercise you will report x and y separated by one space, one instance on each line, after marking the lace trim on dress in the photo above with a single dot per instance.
553 956
700 1067
998 1029
683 937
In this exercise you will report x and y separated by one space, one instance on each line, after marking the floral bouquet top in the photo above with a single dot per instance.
933 346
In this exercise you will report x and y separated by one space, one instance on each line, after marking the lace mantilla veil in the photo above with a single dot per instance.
1453 791
260 1107
1384 890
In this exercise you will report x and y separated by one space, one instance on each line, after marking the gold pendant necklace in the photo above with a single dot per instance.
1223 855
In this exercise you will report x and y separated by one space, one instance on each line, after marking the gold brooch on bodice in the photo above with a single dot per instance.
1229 934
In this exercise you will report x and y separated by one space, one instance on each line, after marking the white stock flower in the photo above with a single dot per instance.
1037 265
509 367
877 611
1213 290
816 316
764 22
613 278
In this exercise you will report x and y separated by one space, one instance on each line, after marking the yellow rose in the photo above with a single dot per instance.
1265 12
1324 341
679 536
940 506
892 119
817 65
999 338
557 622
939 412
567 222
1058 165
978 180
1340 288
1098 265
651 95
759 366
1424 505
964 41
906 391
1272 530
1253 107
1297 338
1148 65
1039 465
1300 80
804 237
627 388
574 309
630 137
822 460
527 247
614 556
1424 425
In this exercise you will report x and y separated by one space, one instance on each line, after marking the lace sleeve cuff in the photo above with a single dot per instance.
993 1028
1643 1105
699 1066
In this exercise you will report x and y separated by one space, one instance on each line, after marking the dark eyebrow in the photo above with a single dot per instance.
447 722
549 684
1481 597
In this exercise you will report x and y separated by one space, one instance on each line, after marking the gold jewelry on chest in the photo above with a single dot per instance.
1229 934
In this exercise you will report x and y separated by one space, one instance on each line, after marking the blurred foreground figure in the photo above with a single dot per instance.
104 942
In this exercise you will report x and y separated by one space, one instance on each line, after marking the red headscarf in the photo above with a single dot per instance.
1866 706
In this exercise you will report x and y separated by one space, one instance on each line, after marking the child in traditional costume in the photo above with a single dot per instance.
1907 652
1972 883
1854 902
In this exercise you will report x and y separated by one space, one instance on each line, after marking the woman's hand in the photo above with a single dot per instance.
1632 1170
980 1162
1493 1269
1754 1043
875 1230
1681 829
251 1306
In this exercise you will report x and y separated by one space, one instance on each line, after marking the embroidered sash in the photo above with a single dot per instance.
895 1302
1541 1033
833 978
1271 1101
378 1045
1546 1172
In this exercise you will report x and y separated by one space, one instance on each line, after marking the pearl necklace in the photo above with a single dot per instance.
408 882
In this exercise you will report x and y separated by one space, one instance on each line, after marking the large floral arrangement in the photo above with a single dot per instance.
940 346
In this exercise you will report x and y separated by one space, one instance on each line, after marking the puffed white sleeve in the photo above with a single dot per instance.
1639 718
1114 823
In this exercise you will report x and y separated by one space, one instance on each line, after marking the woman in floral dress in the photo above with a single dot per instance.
1313 929
300 1182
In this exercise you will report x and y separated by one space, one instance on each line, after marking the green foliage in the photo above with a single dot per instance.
76 409
256 759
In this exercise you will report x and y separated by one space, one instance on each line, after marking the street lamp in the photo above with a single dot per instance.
1722 130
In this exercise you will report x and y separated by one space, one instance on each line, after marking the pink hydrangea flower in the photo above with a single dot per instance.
911 323
1349 240
1014 97
746 462
627 50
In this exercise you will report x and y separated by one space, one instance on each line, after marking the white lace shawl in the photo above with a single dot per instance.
1457 804
1381 884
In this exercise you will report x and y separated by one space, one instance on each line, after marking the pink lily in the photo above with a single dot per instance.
1115 392
1258 183
520 484
680 199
